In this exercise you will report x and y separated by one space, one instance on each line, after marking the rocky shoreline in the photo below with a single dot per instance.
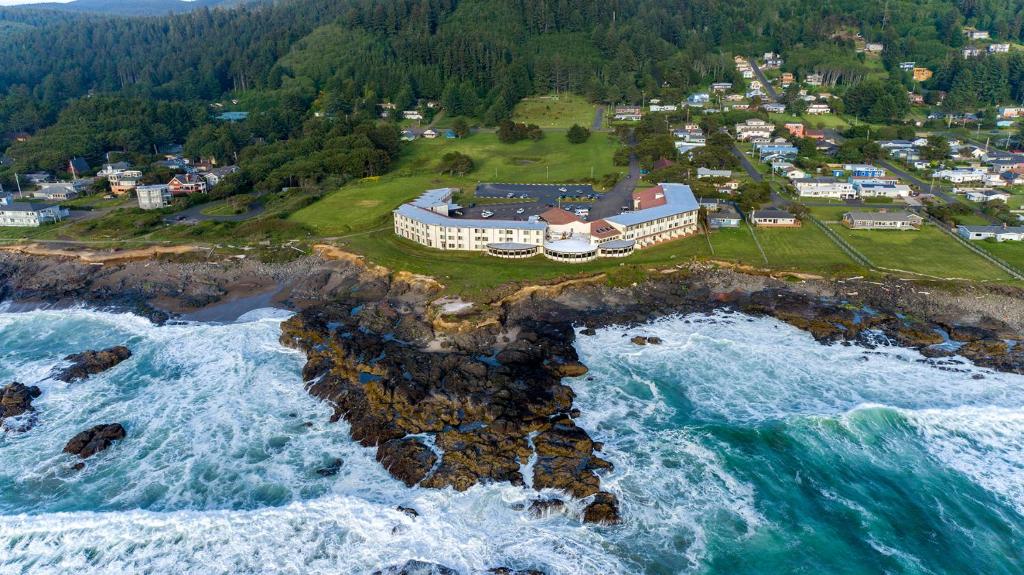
453 393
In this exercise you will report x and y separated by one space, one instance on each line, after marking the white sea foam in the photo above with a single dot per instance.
216 475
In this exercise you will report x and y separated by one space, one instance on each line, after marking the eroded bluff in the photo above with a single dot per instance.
453 419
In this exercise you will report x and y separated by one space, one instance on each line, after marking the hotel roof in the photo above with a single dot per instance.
559 217
678 199
433 218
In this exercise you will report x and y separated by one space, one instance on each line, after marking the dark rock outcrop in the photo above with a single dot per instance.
16 399
479 413
331 469
604 509
416 567
545 507
92 362
94 440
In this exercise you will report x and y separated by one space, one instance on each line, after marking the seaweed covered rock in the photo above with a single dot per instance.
91 362
16 399
94 440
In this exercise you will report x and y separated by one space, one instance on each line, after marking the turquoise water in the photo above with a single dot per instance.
740 445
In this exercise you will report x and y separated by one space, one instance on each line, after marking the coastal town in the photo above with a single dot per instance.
839 187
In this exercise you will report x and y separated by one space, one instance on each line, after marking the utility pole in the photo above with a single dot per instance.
18 181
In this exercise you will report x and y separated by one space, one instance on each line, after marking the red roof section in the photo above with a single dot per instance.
558 217
601 229
648 198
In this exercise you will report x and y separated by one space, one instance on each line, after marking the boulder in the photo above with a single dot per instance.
331 469
545 507
94 440
604 509
16 399
91 362
409 511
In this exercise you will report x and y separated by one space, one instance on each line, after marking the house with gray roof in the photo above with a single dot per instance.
28 214
898 220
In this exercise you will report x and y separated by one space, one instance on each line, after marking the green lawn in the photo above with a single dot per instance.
367 204
475 274
736 245
928 251
825 120
555 111
1010 252
806 248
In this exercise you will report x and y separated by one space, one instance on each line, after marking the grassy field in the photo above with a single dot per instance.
806 248
1010 252
928 251
367 204
824 121
555 111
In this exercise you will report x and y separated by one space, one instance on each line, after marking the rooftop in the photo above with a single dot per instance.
433 218
884 216
678 199
559 217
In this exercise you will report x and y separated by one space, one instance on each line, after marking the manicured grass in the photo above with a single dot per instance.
825 120
736 245
806 248
928 251
1010 252
831 213
476 274
555 111
367 204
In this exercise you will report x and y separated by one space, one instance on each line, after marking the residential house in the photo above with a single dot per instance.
1010 112
721 86
753 128
819 109
922 74
793 173
37 177
864 171
786 79
975 34
998 233
153 197
907 66
998 48
774 218
725 216
795 129
430 134
698 100
56 192
408 135
78 166
882 220
628 113
774 108
706 173
813 80
113 168
882 190
961 175
186 184
769 151
412 115
217 175
824 188
874 48
27 214
972 52
124 181
664 107
986 195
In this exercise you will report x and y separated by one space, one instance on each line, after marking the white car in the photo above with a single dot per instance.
510 195
521 211
486 214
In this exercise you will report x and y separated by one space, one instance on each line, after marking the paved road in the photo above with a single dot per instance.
611 202
925 186
772 94
747 165
195 214
598 119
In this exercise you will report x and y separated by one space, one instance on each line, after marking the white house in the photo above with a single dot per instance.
986 195
56 192
882 220
998 233
753 128
961 175
153 197
27 214
824 188
216 175
819 109
706 173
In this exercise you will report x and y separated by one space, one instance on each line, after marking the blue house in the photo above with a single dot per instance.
233 116
450 134
865 171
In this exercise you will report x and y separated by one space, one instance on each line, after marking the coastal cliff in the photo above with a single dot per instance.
452 393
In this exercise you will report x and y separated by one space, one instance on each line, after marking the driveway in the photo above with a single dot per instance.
195 213
611 202
598 119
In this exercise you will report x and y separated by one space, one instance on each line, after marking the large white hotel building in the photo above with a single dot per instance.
661 213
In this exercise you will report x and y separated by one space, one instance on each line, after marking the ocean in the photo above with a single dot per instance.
740 446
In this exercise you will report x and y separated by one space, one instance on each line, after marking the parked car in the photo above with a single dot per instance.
486 214
520 211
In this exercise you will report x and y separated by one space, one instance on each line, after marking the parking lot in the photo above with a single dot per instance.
525 200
